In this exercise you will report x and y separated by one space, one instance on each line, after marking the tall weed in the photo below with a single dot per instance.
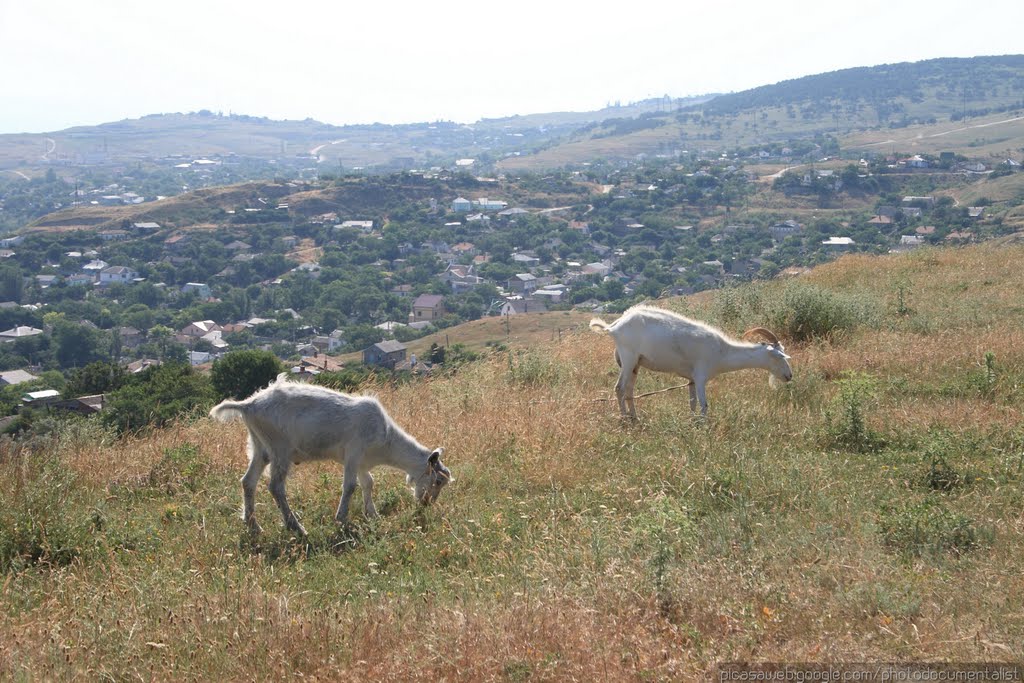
804 312
40 519
846 424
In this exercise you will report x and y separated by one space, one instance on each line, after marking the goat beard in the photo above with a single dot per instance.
773 381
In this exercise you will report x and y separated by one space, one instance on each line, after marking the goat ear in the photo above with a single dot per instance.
435 456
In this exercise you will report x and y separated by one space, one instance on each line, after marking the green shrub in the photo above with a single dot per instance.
239 374
845 421
981 382
534 368
940 473
40 520
806 312
929 528
181 467
156 397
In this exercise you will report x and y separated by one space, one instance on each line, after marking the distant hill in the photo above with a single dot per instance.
846 102
886 97
370 195
177 137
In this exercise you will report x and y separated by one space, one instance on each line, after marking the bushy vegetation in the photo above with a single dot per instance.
239 374
156 397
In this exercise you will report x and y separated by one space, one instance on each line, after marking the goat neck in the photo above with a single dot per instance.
406 453
741 356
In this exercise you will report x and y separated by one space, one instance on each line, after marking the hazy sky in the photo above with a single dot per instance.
75 62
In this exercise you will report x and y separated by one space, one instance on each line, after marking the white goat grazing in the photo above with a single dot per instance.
664 341
290 423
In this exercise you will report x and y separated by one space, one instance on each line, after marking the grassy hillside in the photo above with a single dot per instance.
869 510
868 105
374 195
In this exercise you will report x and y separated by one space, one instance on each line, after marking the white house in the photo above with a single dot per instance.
201 289
80 279
117 274
486 204
95 266
19 332
838 243
462 205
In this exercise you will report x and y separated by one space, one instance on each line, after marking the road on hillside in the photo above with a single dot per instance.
946 132
53 145
315 152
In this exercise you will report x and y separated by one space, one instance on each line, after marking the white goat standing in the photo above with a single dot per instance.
664 341
290 423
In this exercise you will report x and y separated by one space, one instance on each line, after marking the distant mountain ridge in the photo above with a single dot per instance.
837 102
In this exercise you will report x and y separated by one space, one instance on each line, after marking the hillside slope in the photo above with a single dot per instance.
884 99
868 511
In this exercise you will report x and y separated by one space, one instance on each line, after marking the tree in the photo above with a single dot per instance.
156 396
11 284
240 373
78 345
96 378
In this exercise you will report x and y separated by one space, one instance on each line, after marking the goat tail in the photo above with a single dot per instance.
599 325
226 411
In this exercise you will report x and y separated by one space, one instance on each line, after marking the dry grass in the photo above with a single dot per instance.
572 546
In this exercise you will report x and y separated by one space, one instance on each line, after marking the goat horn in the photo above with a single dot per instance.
766 333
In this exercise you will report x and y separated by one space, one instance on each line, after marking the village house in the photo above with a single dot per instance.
113 235
40 398
117 275
517 305
363 226
83 405
309 269
460 278
485 204
522 282
311 366
462 205
328 343
386 354
199 328
908 242
838 243
137 366
200 289
95 266
130 336
12 377
178 241
525 259
199 358
781 231
596 268
428 307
